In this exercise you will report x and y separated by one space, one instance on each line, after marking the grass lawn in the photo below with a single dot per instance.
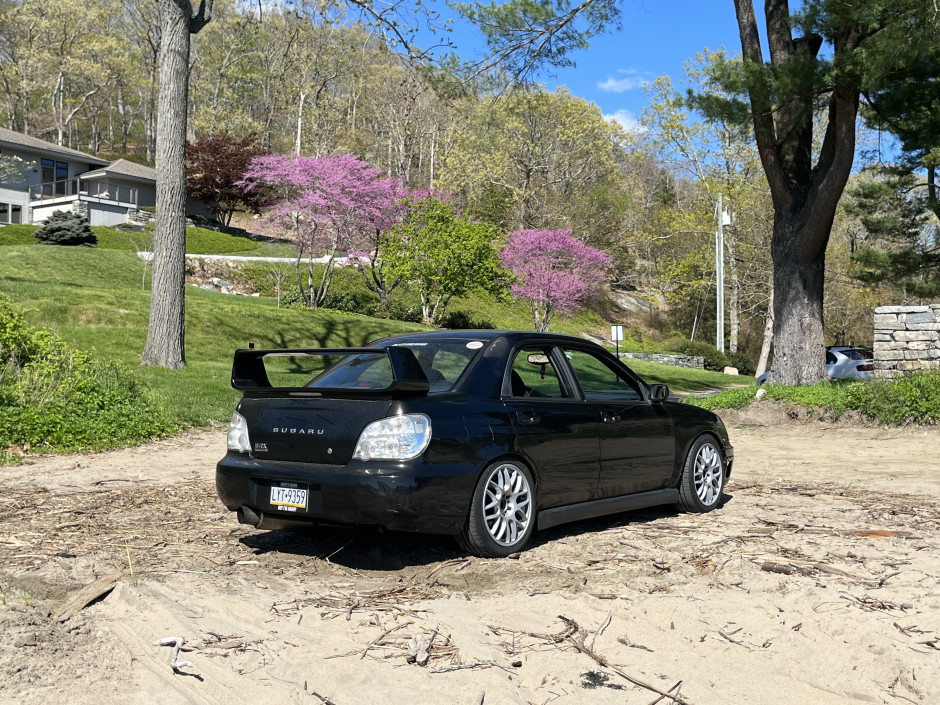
92 298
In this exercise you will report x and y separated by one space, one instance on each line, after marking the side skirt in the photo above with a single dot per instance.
600 507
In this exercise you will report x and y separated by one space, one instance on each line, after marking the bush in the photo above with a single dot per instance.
456 320
715 360
66 228
743 362
914 399
58 398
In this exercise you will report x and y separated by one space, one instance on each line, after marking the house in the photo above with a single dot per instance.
57 178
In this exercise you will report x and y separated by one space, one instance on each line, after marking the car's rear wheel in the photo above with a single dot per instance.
502 511
703 476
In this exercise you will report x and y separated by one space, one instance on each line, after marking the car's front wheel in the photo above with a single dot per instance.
703 476
502 511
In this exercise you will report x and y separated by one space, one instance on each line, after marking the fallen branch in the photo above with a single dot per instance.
377 640
576 639
84 597
177 643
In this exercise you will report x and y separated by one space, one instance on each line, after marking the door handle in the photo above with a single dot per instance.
609 417
527 417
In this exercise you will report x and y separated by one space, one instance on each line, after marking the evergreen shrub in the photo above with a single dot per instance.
66 228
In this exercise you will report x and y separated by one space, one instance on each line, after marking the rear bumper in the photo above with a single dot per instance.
411 496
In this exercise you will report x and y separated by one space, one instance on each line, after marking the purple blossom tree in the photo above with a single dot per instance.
554 271
331 206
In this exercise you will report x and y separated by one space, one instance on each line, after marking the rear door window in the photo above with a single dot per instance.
533 375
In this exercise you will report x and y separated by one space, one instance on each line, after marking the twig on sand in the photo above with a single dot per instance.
176 642
576 639
385 634
670 690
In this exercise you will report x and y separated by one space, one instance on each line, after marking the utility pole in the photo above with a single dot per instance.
720 276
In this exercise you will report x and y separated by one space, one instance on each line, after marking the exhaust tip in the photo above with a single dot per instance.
247 515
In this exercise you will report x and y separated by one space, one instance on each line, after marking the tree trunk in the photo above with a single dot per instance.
768 335
166 333
165 344
799 348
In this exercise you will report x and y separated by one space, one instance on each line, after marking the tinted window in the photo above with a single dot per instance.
443 363
858 353
363 371
599 380
533 374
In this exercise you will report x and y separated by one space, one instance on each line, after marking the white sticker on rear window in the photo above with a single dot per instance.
474 345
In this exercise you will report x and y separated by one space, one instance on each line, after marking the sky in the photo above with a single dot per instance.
657 37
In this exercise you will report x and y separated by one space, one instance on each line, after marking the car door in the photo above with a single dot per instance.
554 428
637 447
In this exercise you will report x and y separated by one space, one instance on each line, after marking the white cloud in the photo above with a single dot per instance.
626 119
628 80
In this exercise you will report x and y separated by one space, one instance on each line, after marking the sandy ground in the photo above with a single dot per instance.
817 581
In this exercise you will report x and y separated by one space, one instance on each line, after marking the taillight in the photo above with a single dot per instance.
865 368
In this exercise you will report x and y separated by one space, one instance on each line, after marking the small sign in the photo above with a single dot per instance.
616 333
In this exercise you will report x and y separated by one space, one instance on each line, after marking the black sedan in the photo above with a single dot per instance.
485 435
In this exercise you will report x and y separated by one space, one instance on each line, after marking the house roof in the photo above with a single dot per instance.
123 167
18 139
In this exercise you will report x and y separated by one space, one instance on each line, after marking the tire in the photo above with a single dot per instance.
703 476
502 511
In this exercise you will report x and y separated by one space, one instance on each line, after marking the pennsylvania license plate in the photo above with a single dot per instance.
289 495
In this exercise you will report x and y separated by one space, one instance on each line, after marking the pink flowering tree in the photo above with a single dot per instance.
554 271
332 206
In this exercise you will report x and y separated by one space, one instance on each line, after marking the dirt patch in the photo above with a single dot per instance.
817 581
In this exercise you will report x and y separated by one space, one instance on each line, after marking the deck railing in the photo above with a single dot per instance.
77 187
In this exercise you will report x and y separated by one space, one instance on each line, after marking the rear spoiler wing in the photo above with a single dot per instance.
250 377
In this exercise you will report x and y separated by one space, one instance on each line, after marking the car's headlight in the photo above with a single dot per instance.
394 438
238 434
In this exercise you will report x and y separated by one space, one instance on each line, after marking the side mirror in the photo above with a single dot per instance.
659 392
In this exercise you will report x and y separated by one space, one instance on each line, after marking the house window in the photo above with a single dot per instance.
10 213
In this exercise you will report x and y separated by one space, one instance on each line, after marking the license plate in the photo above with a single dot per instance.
289 497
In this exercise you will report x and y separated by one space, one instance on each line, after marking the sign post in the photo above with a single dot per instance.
616 334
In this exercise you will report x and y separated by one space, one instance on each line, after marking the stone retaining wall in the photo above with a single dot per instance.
690 361
907 339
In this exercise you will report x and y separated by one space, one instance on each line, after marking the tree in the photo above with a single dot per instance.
782 97
443 255
214 168
166 332
66 228
553 271
329 205
902 240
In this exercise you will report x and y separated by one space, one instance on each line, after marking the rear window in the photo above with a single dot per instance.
442 362
858 353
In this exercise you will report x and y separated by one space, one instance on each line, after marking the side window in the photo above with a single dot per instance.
600 381
830 358
533 374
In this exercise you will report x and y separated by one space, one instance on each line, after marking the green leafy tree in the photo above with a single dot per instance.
443 255
865 42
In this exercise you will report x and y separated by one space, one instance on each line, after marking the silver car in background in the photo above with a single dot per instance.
842 362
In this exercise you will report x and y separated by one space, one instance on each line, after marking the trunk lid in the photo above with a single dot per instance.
311 405
307 430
